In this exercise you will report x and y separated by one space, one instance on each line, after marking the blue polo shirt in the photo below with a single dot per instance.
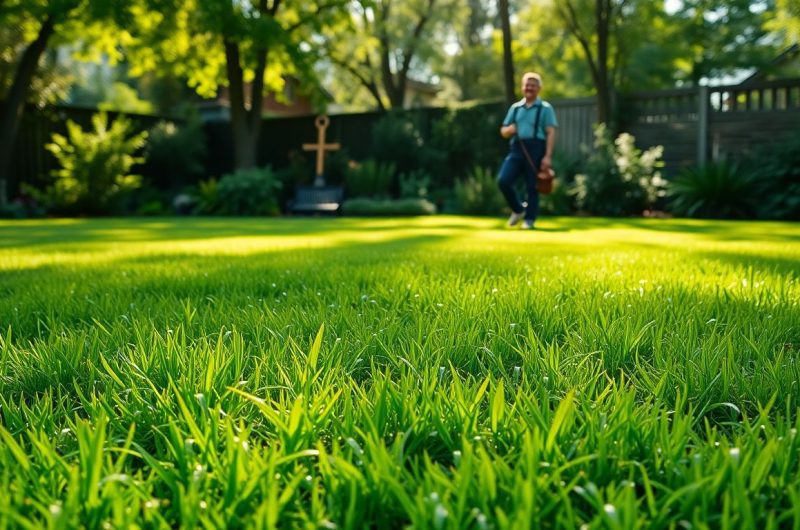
526 116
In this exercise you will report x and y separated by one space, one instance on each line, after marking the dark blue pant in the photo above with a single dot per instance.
516 164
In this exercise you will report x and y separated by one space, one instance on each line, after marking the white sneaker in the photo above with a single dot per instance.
515 219
527 225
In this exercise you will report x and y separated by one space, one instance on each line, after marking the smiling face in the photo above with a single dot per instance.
530 88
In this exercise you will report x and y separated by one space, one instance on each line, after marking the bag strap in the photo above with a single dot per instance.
535 132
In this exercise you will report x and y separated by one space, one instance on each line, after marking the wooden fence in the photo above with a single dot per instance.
702 124
694 125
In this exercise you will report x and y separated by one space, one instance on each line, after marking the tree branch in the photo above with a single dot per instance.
571 18
408 53
386 67
369 84
311 16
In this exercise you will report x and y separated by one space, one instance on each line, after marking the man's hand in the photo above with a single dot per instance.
546 163
508 131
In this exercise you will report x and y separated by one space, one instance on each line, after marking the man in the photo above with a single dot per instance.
531 125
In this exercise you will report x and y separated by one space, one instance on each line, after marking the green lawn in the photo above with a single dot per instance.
387 373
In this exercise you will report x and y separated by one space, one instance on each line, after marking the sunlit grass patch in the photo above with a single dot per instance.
438 372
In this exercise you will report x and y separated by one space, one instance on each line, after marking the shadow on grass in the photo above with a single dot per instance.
709 229
64 233
28 234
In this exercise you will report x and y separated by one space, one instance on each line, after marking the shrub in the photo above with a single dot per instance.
299 171
175 153
619 179
777 169
398 141
337 164
245 192
24 206
718 190
95 166
479 194
206 197
468 137
370 179
365 206
414 184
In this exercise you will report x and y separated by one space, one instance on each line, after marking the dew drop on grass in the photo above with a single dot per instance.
457 458
440 516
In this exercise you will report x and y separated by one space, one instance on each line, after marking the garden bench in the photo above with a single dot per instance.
317 199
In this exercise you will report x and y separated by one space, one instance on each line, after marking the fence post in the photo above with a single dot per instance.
702 125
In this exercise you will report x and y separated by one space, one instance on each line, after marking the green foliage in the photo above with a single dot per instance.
719 190
122 97
245 192
414 184
207 197
722 37
786 21
337 164
619 179
370 178
468 137
397 140
52 80
388 207
370 48
479 194
776 169
175 153
95 166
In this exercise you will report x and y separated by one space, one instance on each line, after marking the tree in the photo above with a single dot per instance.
473 64
719 37
247 46
545 45
51 81
43 22
626 44
593 24
383 41
509 82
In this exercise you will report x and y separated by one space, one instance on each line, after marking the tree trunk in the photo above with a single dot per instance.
244 139
13 108
508 59
603 20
